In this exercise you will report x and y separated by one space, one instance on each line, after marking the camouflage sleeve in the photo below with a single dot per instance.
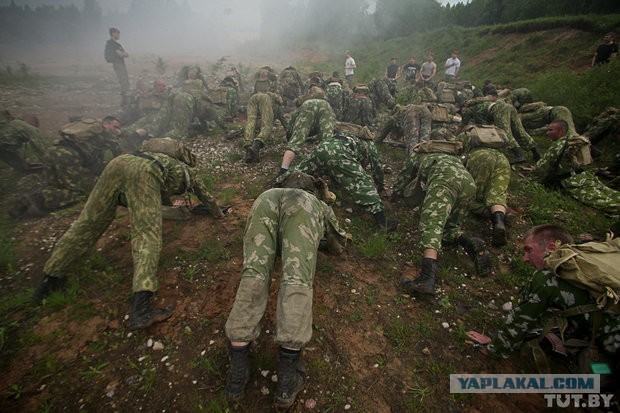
335 234
375 164
548 168
536 298
406 175
206 198
30 135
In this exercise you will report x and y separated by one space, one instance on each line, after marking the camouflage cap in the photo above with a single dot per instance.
442 134
361 89
308 183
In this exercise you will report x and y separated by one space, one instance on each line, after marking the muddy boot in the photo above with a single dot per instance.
47 286
385 224
498 236
425 283
256 147
291 378
238 373
517 156
143 314
477 250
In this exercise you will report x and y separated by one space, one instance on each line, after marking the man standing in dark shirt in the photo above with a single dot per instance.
116 54
605 50
392 72
411 69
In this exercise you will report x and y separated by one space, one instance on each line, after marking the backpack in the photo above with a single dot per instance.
355 130
81 130
578 149
486 136
170 147
439 112
593 266
218 96
438 146
531 107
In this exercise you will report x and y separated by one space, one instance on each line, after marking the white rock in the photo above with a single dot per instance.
347 406
274 378
445 325
164 358
264 373
157 346
507 306
211 342
149 342
264 390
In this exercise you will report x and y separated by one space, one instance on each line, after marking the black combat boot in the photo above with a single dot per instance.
238 373
291 377
47 285
143 314
518 156
498 237
477 250
536 155
385 224
425 283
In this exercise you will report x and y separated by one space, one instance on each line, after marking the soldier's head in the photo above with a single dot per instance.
557 129
540 240
315 186
112 125
114 33
442 134
412 59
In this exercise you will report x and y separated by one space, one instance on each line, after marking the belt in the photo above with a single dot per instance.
150 158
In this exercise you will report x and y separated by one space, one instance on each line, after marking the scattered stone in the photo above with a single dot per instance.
274 378
310 404
264 373
426 351
211 342
507 306
157 346
141 359
149 342
164 358
347 406
445 325
264 390
349 210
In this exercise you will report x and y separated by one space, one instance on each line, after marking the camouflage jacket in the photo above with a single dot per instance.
548 291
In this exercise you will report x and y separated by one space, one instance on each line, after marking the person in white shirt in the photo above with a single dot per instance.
452 66
349 68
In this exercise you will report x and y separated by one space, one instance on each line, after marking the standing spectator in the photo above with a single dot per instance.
452 66
349 68
411 70
605 50
116 54
428 70
392 72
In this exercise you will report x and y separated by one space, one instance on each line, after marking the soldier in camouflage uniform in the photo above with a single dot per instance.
535 117
556 170
71 168
359 108
547 291
490 111
231 106
203 109
344 159
605 125
314 117
336 97
439 183
17 138
290 220
412 121
380 93
490 170
292 85
137 182
261 105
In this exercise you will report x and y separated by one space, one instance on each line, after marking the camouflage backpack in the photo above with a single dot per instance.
81 130
439 112
170 147
218 95
486 136
578 148
439 146
355 130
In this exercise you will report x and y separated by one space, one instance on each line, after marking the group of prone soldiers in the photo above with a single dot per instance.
434 179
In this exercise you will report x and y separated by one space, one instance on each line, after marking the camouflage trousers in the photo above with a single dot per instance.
360 110
174 118
536 121
136 183
338 162
490 170
505 117
314 115
445 207
587 189
290 221
416 125
258 105
335 97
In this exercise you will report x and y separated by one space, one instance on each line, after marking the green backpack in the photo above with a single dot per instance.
593 266
170 147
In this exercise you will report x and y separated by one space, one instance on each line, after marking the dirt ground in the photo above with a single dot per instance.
373 348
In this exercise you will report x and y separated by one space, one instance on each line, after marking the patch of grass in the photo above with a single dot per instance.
211 251
8 259
217 404
212 364
226 195
93 371
355 316
375 246
254 189
399 332
371 295
234 157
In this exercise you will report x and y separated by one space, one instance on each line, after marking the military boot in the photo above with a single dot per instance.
477 250
291 377
425 283
517 156
498 236
47 285
143 314
385 224
238 373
